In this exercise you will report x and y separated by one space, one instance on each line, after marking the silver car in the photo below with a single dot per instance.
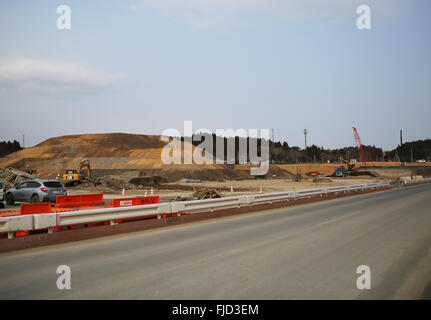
35 191
1 195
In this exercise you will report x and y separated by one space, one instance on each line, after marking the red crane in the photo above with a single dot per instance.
359 145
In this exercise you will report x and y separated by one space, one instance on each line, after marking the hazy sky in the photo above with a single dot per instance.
147 65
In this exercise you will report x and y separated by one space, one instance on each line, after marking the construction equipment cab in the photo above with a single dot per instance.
340 172
74 177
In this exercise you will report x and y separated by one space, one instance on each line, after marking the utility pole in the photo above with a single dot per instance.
401 138
23 145
305 135
272 153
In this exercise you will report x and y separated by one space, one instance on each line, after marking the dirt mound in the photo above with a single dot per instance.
279 172
88 146
111 151
217 174
326 168
201 193
147 181
107 144
112 182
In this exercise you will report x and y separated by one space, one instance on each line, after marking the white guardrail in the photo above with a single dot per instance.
407 182
50 220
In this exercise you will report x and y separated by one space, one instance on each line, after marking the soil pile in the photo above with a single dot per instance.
148 181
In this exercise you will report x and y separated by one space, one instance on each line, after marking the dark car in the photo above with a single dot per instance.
35 191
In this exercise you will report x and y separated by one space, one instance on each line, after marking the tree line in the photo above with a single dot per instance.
281 152
7 147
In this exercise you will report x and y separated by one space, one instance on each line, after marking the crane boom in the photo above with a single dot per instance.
359 145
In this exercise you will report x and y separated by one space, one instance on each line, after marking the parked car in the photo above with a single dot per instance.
1 195
35 191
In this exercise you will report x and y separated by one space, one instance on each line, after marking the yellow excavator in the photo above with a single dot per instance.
74 177
349 165
347 170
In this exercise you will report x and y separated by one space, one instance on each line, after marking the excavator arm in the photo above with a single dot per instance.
84 165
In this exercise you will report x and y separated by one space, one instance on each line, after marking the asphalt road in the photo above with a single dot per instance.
306 252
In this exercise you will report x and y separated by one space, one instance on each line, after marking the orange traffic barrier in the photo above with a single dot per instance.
79 200
137 201
35 208
9 214
22 233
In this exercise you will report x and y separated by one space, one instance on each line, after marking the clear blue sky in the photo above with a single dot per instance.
143 66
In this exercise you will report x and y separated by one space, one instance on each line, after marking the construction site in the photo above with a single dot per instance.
215 155
120 165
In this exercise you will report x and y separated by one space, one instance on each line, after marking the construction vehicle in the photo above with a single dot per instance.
74 177
346 168
350 166
340 172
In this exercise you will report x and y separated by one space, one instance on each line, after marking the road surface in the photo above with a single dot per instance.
305 252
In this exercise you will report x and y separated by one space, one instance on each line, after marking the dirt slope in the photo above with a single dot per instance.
111 151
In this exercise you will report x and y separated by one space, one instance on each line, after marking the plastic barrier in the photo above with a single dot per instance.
9 214
126 202
81 200
137 201
35 208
